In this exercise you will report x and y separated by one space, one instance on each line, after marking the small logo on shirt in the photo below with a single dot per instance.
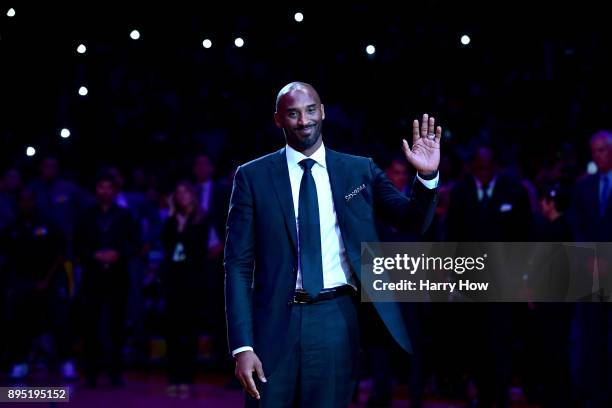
356 191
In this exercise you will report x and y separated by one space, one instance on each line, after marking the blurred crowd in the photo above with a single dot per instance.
111 240
126 272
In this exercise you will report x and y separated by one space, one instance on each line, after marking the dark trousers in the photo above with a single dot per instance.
31 313
181 338
103 337
320 370
592 354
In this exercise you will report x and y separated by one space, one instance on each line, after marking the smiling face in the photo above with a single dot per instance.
300 114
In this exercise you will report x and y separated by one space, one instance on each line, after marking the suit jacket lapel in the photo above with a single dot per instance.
336 169
282 186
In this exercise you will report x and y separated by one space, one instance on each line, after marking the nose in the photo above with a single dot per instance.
302 120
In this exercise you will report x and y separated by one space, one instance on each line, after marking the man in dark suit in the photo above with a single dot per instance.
592 207
213 197
592 216
296 220
486 206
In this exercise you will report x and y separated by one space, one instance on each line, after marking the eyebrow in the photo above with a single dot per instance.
312 105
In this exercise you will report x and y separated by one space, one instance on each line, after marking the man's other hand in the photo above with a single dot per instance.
247 362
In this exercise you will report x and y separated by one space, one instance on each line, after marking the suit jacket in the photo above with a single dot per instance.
507 217
261 248
589 225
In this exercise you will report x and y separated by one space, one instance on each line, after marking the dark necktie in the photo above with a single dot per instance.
311 260
484 202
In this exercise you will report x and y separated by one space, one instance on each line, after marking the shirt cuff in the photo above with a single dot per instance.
241 349
430 184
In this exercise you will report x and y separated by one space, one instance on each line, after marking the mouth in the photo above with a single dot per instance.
306 130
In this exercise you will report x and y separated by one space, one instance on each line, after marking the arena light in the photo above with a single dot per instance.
370 49
465 39
81 49
299 17
239 42
135 34
30 151
65 133
207 43
83 91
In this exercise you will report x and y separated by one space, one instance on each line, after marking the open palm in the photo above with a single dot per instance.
425 152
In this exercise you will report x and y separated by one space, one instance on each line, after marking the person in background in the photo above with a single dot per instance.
184 240
37 296
58 199
106 238
591 214
213 198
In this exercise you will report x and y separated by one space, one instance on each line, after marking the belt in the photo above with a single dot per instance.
301 297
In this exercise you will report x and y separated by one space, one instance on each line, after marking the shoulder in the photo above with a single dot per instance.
587 181
262 162
355 163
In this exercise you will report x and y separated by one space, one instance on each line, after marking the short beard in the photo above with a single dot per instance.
303 144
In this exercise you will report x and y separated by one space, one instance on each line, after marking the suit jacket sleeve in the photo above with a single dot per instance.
413 213
239 263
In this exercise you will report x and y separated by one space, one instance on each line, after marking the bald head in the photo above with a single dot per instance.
297 87
300 113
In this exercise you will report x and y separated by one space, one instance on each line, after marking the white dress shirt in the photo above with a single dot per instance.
336 270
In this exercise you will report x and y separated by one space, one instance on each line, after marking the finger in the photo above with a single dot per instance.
405 147
260 373
431 125
415 130
438 134
424 125
240 378
251 388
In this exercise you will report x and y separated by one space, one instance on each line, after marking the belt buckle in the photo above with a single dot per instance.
301 298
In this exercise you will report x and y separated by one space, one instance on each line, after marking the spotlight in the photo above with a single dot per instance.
81 49
83 91
30 151
299 17
465 39
207 43
65 133
370 49
135 34
239 42
11 12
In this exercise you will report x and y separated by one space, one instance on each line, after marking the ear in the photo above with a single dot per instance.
322 112
277 120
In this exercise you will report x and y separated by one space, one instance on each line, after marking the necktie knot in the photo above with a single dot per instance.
307 164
